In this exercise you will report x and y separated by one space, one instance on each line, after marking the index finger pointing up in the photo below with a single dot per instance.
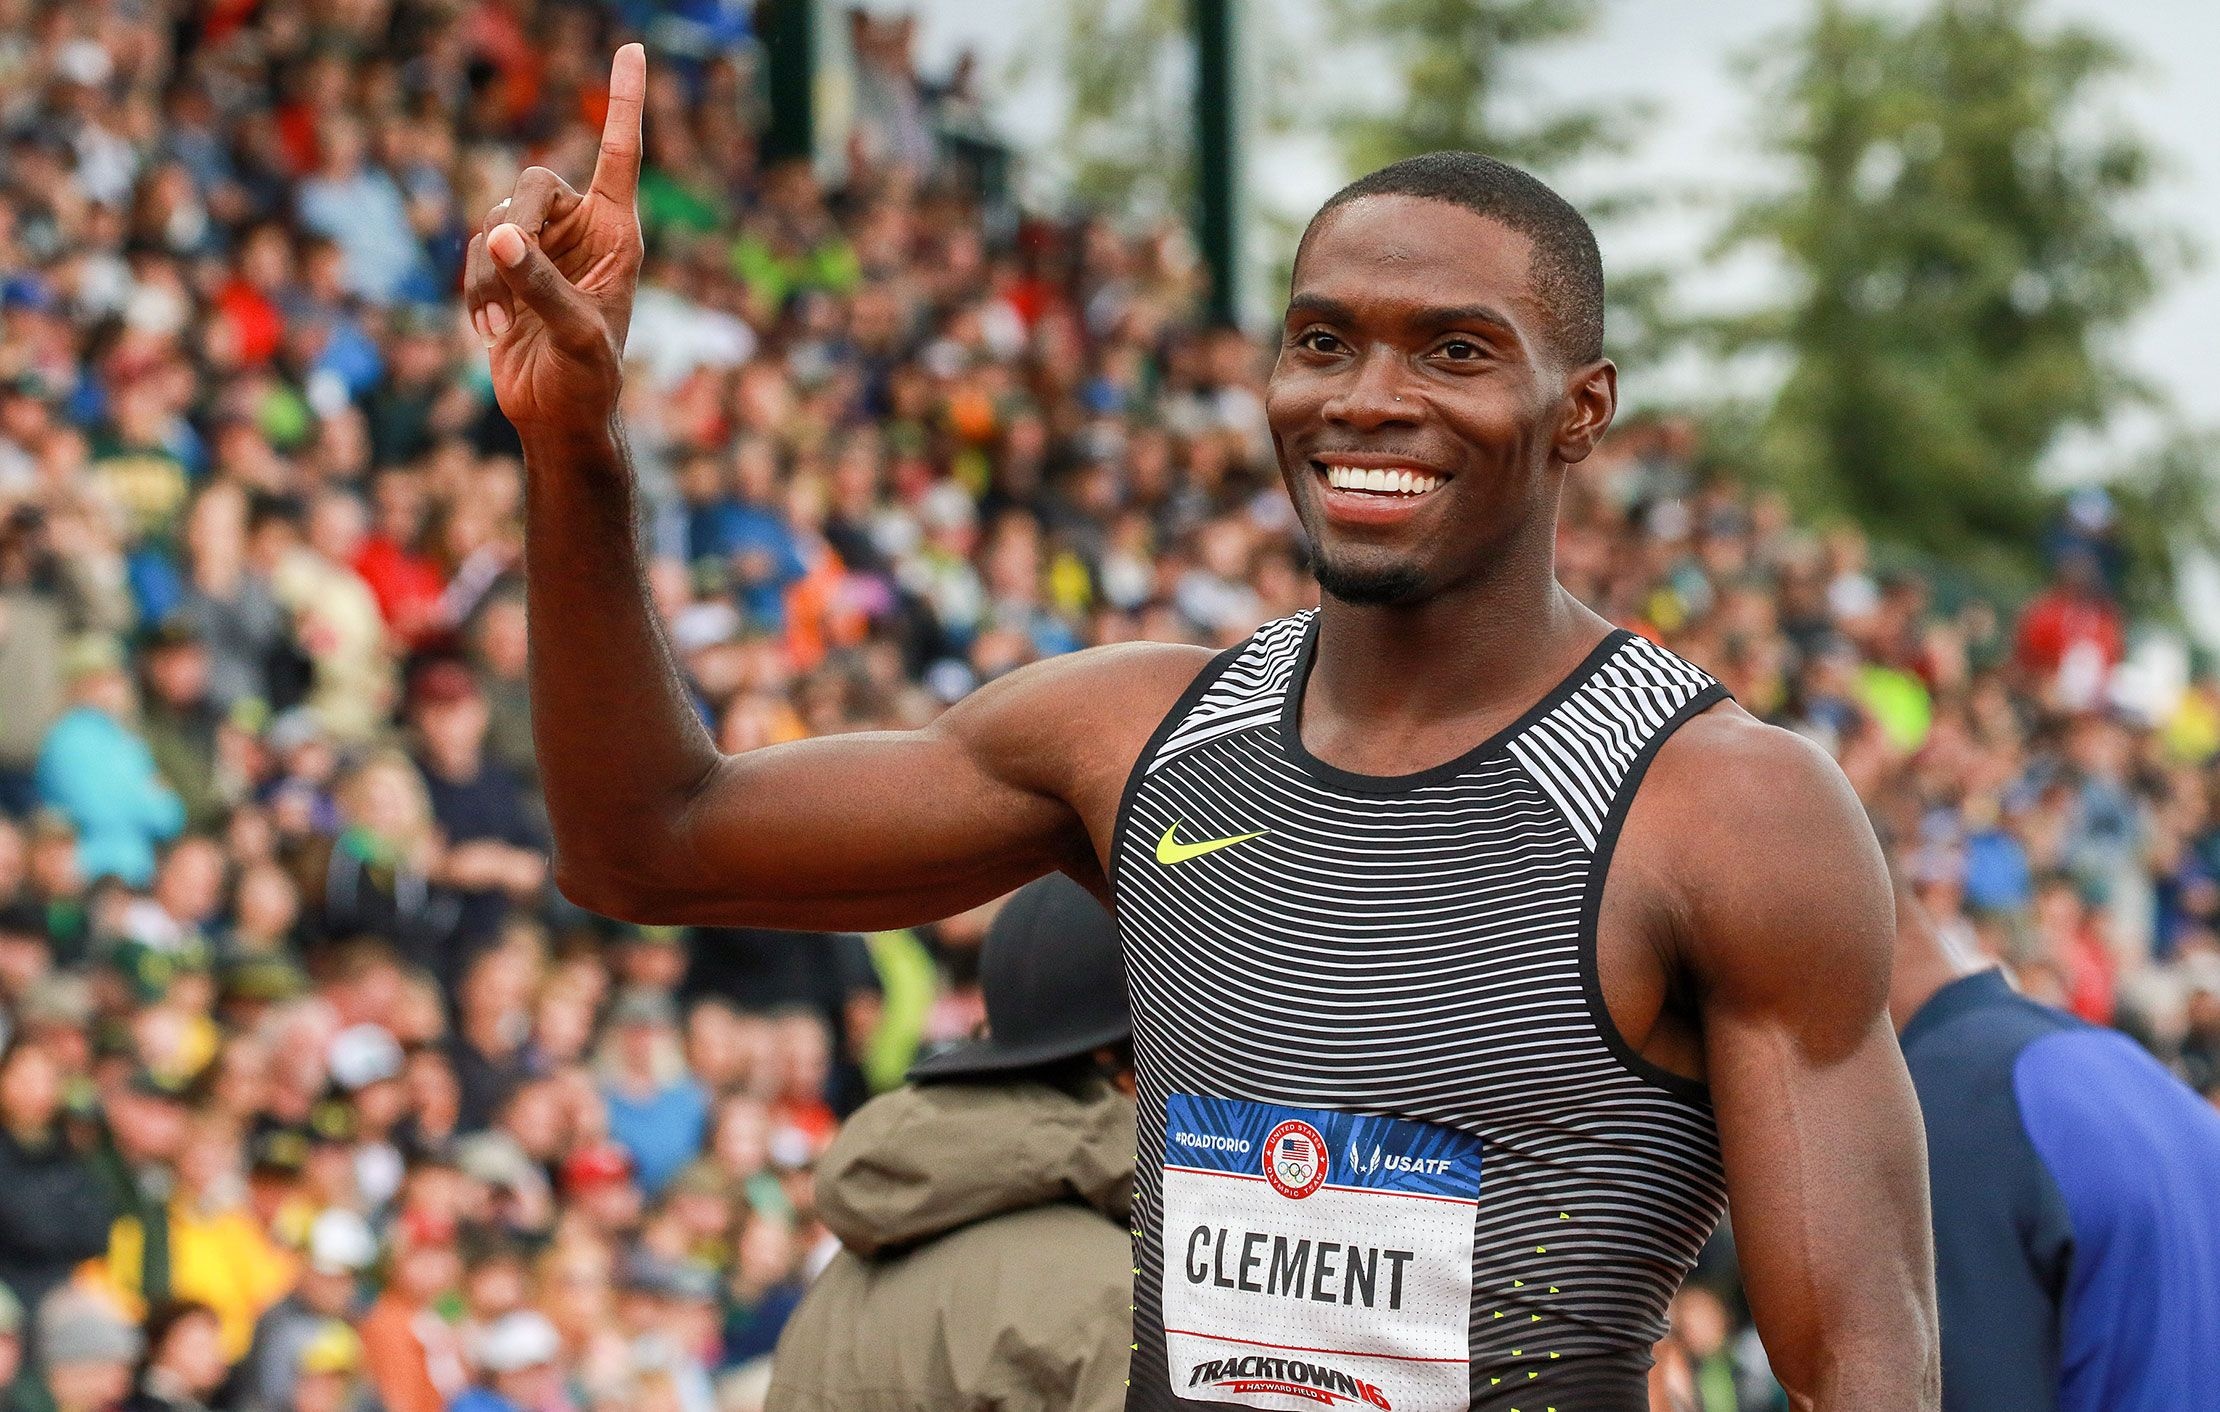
617 169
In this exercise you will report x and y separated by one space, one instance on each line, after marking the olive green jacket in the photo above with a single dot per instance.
988 1265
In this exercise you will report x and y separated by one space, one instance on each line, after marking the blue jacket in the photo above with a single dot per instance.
2077 1211
95 771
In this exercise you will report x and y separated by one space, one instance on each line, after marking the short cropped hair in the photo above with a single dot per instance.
1567 269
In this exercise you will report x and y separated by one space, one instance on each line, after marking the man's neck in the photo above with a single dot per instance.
1486 648
453 768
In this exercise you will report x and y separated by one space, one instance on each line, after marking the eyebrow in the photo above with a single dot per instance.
1434 316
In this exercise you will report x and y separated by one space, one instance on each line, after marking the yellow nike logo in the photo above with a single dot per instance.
1170 850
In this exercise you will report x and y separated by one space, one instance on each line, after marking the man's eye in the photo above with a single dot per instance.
1320 341
1461 349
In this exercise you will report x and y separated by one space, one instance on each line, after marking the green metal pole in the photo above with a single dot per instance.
1218 155
790 58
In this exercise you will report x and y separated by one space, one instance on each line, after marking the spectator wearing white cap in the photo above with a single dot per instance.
366 1064
340 1248
516 1370
86 1350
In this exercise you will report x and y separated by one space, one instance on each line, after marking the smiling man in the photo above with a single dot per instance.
1478 951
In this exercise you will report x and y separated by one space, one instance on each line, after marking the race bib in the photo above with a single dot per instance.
1317 1258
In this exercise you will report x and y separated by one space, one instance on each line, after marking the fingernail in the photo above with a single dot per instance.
497 321
506 244
478 325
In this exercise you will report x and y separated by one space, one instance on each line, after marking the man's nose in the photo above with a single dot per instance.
1373 392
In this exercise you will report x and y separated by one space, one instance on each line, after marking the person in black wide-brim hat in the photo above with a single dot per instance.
1054 982
998 1183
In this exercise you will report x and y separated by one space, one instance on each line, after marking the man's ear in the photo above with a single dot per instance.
1591 401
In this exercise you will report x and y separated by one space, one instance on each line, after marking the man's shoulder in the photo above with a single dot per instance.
1724 758
1127 670
1979 1022
1733 792
1763 855
2094 1097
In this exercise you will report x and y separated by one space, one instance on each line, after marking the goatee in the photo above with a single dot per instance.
1367 587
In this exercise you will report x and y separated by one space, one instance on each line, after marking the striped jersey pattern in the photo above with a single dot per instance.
1424 948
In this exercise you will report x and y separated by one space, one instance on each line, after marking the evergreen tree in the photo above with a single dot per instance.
1126 145
1453 61
1455 69
1961 257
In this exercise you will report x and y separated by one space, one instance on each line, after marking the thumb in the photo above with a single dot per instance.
572 321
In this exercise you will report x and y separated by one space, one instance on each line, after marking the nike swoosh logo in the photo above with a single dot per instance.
1170 850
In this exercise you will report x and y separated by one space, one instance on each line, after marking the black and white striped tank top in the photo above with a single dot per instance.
1393 1154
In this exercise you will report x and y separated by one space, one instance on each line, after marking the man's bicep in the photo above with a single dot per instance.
1791 933
879 829
864 831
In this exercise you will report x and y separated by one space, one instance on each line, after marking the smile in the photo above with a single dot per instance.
1379 480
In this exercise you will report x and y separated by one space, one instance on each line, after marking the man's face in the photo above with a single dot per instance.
179 673
147 1129
190 884
88 1387
323 1392
24 957
106 690
453 730
328 1292
1415 349
529 1387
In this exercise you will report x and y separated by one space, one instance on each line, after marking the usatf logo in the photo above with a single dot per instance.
1289 1377
1295 1159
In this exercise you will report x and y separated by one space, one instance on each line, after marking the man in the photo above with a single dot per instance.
340 1249
764 971
87 1351
2077 1197
146 1123
57 1209
495 849
96 770
656 1110
598 1187
183 721
1360 865
983 1209
668 1312
18 1388
486 1048
188 895
408 1349
328 1377
516 1358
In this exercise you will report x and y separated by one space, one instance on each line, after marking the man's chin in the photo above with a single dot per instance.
1368 585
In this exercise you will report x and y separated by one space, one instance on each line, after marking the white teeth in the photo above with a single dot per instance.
1379 481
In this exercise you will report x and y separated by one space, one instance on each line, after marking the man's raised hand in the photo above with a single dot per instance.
550 277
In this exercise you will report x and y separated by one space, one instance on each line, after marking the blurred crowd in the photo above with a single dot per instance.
314 1092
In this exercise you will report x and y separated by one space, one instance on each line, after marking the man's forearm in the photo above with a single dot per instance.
620 746
1900 1368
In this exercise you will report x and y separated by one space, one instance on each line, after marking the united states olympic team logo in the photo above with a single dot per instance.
1295 1159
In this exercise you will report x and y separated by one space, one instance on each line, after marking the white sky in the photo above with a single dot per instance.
1680 57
